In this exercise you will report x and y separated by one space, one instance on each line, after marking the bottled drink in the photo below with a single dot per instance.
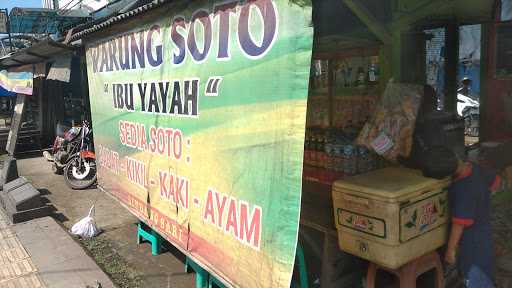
363 159
349 160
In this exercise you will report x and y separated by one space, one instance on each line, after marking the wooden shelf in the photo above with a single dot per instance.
320 175
317 207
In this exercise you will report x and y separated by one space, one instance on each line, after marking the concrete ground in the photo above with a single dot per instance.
16 267
41 254
60 261
118 240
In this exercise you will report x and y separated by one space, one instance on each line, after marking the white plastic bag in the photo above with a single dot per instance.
86 227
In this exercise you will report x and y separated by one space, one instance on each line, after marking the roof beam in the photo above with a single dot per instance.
424 9
36 55
374 25
59 45
18 61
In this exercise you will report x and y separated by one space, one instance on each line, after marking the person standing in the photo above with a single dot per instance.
470 244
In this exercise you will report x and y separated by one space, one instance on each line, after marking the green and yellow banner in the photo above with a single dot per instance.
199 118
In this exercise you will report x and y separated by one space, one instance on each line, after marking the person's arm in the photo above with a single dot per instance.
453 243
492 179
463 215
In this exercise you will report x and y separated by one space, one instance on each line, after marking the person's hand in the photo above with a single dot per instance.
449 256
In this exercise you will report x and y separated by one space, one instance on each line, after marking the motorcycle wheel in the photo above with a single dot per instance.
56 169
77 178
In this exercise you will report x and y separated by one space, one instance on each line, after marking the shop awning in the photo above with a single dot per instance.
38 52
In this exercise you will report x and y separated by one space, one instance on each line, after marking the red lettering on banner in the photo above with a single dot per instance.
162 141
169 133
208 208
122 133
166 142
174 230
152 135
250 230
136 172
220 208
108 159
177 144
132 134
160 221
232 223
138 206
174 188
240 221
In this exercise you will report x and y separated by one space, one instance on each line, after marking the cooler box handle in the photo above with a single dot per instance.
356 200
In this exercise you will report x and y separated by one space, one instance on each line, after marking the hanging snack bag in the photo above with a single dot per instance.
390 129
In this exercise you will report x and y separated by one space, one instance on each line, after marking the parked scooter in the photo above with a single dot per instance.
469 110
80 169
471 117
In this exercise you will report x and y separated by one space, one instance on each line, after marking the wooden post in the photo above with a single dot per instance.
484 81
413 57
15 124
451 63
374 25
330 89
386 66
397 54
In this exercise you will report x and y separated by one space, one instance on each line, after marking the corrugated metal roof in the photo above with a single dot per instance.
38 52
110 10
137 11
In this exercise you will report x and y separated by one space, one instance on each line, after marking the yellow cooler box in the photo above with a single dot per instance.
391 216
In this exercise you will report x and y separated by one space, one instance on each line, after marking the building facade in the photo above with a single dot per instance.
89 5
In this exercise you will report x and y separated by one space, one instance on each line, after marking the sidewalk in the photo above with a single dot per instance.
41 254
17 268
137 267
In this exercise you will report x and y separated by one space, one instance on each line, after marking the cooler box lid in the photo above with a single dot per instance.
391 183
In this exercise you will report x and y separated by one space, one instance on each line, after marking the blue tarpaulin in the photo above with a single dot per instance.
5 93
17 82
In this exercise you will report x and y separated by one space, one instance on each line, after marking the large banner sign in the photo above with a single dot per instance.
199 120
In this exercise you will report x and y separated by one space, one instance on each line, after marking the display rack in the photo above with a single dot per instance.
344 89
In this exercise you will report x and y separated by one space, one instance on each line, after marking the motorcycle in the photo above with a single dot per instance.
471 117
80 168
66 143
469 110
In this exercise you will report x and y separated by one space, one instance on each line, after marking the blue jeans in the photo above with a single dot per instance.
476 278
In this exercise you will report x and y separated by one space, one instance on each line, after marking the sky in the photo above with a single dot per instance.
9 4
